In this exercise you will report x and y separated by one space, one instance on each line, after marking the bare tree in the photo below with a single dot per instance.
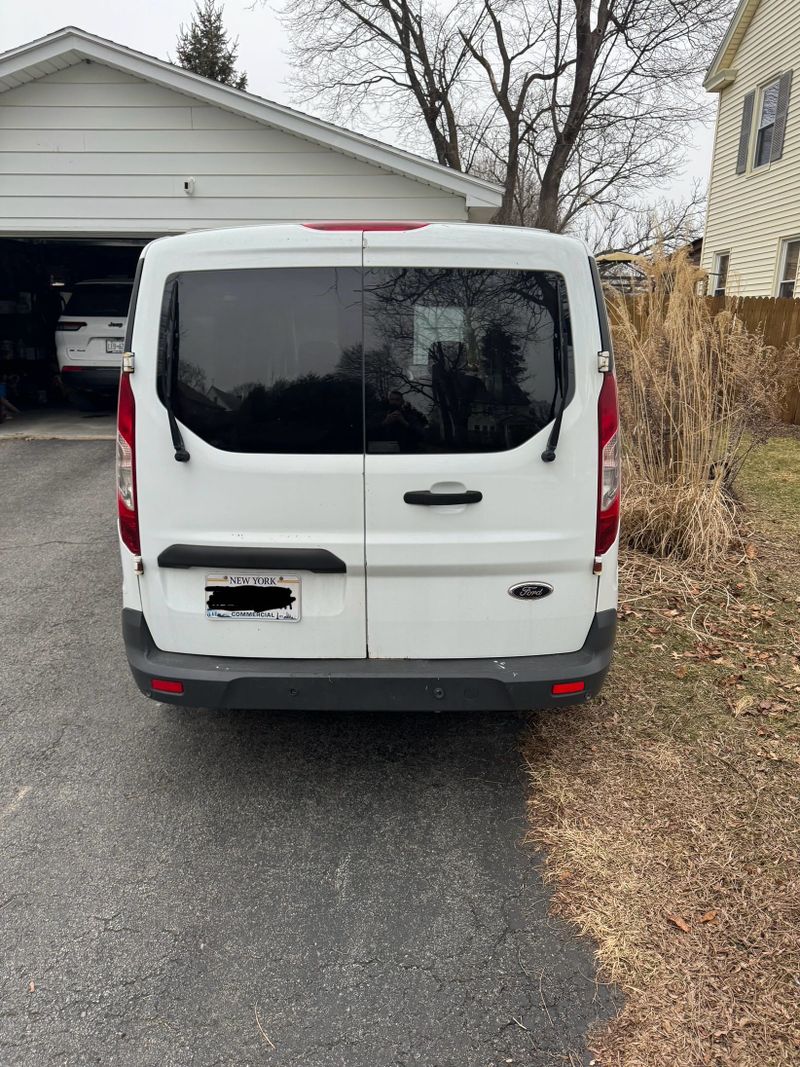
352 56
638 228
618 119
572 105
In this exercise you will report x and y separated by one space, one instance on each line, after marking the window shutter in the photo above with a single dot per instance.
779 132
744 133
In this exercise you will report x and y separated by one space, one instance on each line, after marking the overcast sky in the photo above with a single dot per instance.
152 25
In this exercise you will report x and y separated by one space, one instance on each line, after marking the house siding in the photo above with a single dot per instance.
91 149
750 214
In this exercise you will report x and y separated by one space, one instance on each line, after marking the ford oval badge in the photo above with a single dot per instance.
530 590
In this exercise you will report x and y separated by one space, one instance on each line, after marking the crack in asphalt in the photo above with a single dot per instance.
42 544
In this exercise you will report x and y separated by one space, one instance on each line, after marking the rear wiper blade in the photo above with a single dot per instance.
562 375
170 367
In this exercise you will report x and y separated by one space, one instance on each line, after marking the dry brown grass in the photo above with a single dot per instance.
695 391
788 368
668 809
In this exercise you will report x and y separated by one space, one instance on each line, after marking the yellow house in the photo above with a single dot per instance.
752 238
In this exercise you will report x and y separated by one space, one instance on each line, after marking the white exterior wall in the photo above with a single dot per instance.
751 214
92 150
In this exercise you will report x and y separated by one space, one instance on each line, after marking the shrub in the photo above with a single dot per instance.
696 392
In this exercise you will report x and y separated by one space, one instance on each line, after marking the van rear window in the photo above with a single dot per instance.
338 360
461 360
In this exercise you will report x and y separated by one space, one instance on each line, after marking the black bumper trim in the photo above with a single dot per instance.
317 560
517 683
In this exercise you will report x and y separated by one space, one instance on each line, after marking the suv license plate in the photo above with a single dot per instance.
268 597
115 347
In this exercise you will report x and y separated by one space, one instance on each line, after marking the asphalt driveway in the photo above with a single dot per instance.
194 888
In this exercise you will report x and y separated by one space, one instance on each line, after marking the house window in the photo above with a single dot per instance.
719 276
787 282
766 123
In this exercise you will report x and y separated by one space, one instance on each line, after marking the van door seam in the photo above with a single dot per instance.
364 447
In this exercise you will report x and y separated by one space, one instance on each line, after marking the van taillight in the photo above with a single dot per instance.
126 467
608 490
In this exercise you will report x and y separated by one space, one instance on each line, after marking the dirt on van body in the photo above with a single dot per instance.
668 809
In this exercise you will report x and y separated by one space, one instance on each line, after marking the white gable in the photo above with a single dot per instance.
87 147
90 146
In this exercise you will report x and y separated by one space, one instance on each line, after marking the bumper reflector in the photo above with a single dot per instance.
562 688
162 685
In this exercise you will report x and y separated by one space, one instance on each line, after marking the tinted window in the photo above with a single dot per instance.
461 360
267 360
111 300
273 360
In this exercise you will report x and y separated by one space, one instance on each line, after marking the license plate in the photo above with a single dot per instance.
270 598
115 347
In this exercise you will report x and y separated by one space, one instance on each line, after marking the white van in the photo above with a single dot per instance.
368 466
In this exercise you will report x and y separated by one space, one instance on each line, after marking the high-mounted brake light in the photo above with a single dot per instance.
393 227
126 467
608 489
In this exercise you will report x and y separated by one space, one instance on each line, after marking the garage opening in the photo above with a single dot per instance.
47 353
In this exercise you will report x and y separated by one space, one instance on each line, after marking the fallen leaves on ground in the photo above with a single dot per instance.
676 920
672 803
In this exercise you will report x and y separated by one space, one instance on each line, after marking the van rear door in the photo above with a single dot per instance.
260 337
466 345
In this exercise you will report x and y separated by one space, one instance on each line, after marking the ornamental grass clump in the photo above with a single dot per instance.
696 392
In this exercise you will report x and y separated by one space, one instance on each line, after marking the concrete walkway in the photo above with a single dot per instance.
59 424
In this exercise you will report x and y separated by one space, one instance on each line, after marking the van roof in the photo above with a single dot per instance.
467 235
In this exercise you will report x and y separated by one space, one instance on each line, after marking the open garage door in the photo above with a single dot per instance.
37 277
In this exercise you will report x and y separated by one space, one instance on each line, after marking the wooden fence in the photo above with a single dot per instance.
777 318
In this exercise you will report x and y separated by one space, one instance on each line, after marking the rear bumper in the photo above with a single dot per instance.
518 683
91 379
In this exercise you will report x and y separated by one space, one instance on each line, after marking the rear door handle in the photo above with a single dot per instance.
430 500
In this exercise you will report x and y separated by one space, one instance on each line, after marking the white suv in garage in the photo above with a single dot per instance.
90 337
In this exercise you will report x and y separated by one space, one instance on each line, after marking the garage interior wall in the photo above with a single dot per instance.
36 277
